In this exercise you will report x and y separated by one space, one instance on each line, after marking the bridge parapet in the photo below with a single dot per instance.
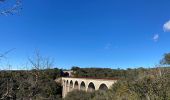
85 84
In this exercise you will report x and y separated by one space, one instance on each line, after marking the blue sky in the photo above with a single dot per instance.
88 33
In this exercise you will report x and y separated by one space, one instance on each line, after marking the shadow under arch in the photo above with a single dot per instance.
103 87
76 85
82 86
71 85
67 86
91 87
64 82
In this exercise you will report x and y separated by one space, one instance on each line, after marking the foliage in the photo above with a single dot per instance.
78 95
148 84
23 85
108 73
166 59
133 84
39 84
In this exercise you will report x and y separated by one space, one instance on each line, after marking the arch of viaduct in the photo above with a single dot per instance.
85 84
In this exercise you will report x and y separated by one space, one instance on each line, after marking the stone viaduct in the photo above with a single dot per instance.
85 84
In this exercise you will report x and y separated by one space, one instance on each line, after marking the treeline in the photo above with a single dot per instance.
109 73
30 85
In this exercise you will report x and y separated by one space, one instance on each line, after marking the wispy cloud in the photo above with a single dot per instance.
107 46
155 37
166 26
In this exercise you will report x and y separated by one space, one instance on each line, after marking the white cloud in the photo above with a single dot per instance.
108 46
166 26
156 37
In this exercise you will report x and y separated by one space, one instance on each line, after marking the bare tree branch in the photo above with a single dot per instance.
11 10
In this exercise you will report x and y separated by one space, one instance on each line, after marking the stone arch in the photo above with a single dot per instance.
71 85
67 86
91 87
103 87
64 82
76 85
82 86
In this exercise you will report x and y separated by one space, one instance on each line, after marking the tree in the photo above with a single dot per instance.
36 84
15 7
75 68
166 59
43 84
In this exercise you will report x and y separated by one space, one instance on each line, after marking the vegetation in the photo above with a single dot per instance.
133 84
36 84
25 85
108 73
39 83
147 84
